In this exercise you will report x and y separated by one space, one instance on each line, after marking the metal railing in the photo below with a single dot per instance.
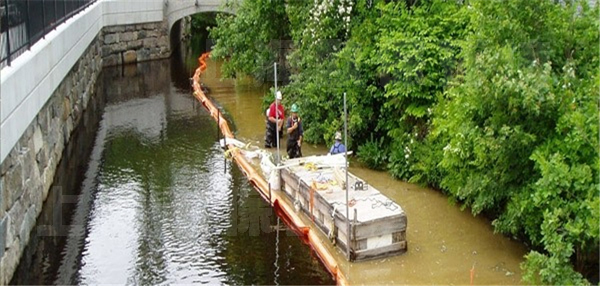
24 22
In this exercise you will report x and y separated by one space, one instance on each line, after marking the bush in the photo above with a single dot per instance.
373 154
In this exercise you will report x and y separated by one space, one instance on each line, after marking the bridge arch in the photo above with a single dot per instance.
176 10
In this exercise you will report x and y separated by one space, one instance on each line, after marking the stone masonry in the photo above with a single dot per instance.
135 43
27 173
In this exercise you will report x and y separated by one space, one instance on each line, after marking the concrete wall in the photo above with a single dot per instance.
134 43
27 84
45 91
43 95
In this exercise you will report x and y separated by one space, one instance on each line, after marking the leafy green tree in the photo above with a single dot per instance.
522 130
564 197
316 81
418 49
249 42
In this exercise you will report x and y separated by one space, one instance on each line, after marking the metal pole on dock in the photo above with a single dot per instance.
276 115
346 159
219 126
224 140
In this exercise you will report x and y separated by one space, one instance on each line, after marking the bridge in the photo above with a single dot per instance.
176 10
45 88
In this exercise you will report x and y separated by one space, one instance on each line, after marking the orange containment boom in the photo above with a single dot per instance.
284 210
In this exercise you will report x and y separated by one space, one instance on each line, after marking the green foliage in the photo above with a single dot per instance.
493 102
370 154
249 42
401 157
418 48
493 121
327 62
522 130
202 22
564 198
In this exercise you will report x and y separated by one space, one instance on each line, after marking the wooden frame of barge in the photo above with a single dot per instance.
316 185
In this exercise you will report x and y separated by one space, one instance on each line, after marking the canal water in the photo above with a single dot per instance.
145 196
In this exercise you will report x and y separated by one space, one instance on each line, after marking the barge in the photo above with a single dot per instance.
316 186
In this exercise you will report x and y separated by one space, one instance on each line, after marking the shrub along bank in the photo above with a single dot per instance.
495 103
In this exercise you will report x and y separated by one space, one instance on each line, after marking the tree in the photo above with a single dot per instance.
522 130
418 49
250 41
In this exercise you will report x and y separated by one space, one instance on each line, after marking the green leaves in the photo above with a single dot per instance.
518 146
418 49
250 41
493 102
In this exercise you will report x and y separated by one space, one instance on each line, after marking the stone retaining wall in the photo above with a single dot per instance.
27 173
134 43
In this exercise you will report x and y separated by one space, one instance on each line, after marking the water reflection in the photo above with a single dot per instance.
158 203
39 262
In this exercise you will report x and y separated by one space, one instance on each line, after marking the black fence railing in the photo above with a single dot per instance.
24 22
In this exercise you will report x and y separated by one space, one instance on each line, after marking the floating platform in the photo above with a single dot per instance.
316 185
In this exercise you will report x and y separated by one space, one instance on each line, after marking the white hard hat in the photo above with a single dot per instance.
338 136
279 96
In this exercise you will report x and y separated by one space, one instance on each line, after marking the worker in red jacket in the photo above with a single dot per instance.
275 117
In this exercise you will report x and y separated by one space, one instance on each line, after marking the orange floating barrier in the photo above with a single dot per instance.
283 209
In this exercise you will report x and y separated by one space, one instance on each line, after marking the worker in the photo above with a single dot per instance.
295 133
337 147
275 117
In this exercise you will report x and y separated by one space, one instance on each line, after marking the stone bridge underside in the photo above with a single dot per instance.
178 9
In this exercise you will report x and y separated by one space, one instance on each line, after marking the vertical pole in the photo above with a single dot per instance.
276 115
224 141
347 187
354 228
55 15
7 15
28 25
219 126
43 19
276 263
